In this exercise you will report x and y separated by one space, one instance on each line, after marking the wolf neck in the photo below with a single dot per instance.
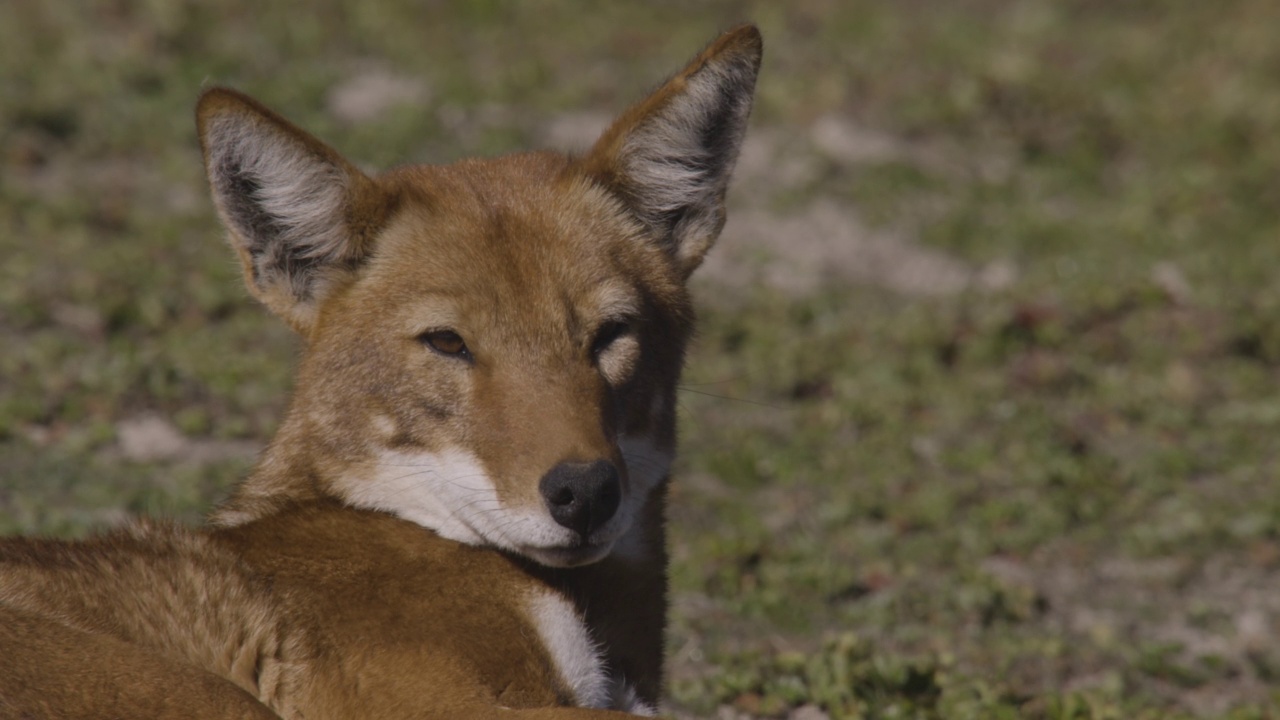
291 471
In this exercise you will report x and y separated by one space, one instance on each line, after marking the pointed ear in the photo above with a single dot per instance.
300 217
670 156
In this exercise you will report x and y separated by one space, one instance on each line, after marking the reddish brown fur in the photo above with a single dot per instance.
349 614
564 280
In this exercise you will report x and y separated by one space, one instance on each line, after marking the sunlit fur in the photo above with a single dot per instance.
393 554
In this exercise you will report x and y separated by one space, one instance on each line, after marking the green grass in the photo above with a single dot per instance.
1055 499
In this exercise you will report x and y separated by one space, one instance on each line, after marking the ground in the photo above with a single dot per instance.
982 417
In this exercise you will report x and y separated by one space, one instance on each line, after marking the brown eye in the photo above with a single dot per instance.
446 342
607 334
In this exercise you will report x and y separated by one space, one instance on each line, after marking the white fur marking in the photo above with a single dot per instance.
618 361
451 493
575 656
448 492
673 169
618 303
303 193
625 699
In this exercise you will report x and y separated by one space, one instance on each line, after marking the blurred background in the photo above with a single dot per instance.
983 420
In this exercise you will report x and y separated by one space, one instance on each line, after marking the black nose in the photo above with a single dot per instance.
582 496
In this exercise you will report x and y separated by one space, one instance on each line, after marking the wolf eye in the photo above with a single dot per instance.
446 342
607 334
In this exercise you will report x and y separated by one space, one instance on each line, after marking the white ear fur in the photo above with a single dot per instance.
279 197
292 205
670 157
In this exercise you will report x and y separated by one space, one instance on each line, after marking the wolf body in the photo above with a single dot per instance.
462 514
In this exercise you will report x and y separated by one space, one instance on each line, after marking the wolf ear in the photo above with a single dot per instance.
669 157
300 216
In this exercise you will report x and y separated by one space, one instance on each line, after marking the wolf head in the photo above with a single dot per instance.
492 346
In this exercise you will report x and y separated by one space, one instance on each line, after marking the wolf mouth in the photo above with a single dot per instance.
575 555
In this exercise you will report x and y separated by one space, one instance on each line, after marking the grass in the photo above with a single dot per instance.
1051 499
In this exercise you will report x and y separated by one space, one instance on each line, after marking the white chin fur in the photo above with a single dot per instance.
448 492
451 493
